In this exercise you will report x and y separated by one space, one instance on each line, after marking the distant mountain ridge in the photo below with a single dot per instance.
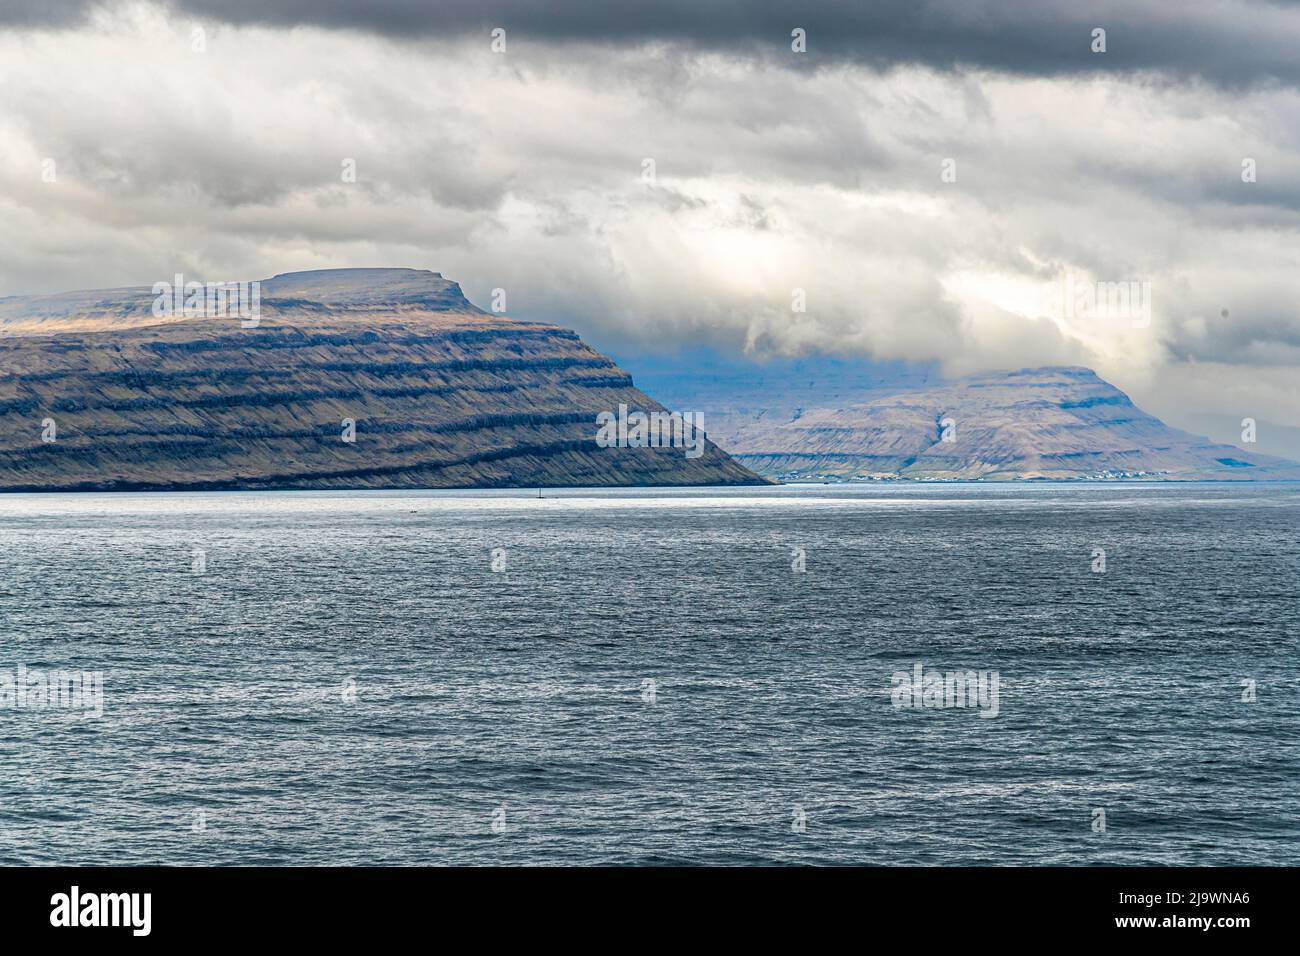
1056 422
98 391
102 310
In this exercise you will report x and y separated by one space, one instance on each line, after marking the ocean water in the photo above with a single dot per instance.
645 678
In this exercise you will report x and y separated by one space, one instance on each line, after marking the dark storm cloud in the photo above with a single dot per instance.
1230 42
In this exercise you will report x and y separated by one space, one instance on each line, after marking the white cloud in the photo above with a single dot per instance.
524 171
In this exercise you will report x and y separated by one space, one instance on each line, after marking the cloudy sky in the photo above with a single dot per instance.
930 174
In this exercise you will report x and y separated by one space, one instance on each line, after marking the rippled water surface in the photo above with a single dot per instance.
648 680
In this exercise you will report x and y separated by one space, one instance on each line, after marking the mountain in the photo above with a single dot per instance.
733 392
106 390
1271 438
1055 422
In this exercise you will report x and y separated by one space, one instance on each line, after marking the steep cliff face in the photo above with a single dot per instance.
1060 422
440 394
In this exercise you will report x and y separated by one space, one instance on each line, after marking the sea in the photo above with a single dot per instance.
875 674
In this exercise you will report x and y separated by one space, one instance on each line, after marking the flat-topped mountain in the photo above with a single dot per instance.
1055 422
346 378
287 295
